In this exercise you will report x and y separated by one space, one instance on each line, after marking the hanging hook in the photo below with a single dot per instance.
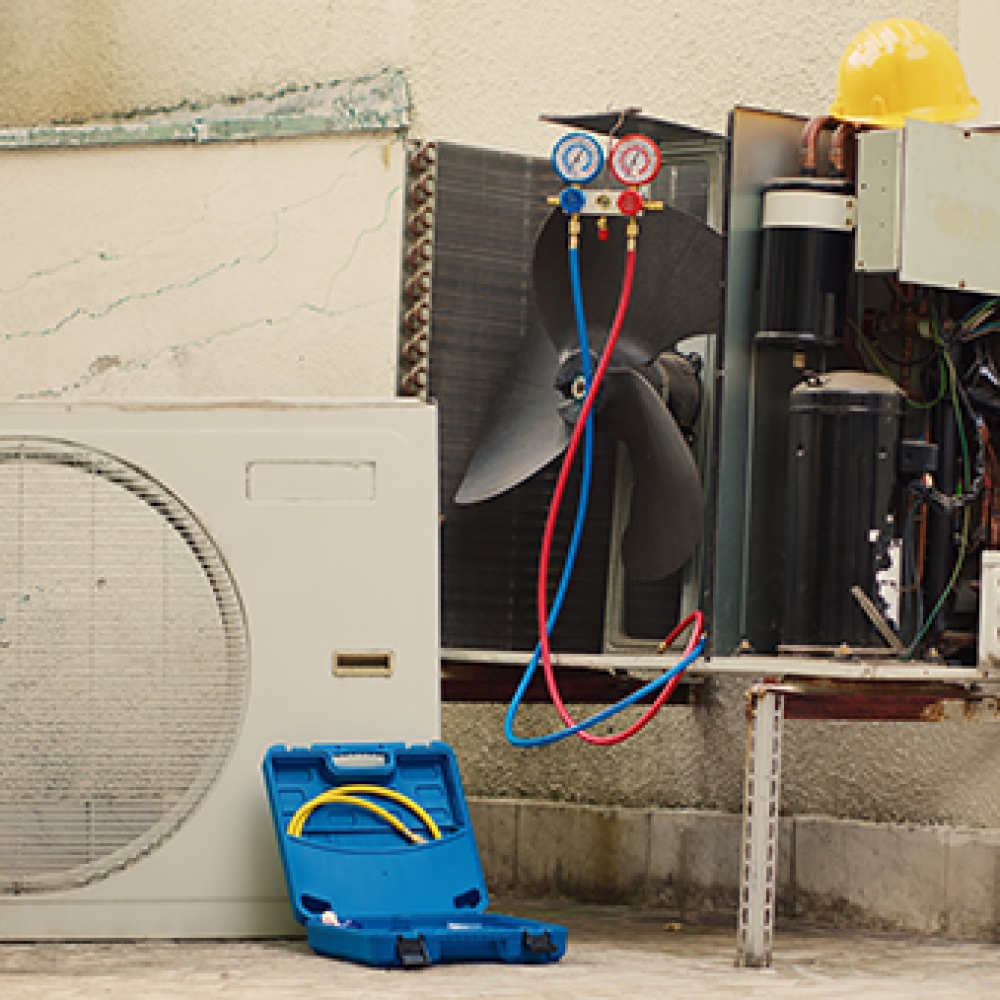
622 115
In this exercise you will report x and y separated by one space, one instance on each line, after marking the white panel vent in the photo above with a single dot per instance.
123 664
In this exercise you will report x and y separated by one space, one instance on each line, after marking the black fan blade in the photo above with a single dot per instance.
668 508
524 432
675 294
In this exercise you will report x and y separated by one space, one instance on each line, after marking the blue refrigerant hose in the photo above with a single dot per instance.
582 503
581 516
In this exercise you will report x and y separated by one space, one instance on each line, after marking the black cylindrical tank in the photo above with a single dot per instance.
844 432
806 256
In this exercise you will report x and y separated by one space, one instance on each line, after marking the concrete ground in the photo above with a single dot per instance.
613 953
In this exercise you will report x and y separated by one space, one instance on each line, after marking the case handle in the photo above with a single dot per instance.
362 764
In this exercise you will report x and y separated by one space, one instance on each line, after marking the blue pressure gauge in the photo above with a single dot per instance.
577 158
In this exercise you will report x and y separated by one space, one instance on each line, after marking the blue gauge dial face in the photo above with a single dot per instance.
577 158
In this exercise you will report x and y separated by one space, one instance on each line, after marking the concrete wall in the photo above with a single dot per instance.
904 772
481 73
979 41
228 269
941 880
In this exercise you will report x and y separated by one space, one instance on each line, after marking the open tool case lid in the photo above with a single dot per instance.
352 861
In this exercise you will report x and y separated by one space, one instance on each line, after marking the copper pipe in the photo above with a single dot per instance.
991 508
842 151
922 520
810 142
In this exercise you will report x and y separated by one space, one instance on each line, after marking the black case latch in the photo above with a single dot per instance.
412 952
538 944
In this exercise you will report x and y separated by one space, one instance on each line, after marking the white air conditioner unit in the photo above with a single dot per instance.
182 585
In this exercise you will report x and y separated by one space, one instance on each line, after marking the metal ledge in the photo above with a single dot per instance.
650 665
491 683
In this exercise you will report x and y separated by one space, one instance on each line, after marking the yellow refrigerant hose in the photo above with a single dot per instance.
348 794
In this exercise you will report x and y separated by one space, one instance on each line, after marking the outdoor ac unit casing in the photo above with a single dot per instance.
326 515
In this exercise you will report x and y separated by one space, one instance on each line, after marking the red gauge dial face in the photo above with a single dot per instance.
634 160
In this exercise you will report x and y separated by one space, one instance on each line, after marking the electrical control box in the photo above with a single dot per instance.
926 207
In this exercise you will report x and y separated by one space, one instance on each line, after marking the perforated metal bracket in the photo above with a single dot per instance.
759 851
412 952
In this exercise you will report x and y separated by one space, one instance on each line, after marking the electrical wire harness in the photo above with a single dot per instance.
978 390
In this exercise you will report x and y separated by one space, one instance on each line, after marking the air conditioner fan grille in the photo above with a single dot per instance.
123 664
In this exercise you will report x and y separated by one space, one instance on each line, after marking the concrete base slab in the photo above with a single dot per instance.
613 952
931 880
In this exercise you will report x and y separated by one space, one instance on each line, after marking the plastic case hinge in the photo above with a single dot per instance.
538 944
412 952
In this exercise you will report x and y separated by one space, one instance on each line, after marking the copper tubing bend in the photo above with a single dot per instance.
841 160
810 142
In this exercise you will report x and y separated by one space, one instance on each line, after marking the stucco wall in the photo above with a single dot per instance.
978 40
225 269
480 72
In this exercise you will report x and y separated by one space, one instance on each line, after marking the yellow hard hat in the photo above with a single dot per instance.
898 69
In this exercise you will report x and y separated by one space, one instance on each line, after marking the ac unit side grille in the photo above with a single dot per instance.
124 667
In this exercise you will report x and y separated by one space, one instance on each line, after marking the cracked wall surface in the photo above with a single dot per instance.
250 269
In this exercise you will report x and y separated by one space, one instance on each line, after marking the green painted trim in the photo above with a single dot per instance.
378 103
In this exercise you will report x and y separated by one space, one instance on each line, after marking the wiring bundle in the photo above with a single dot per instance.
961 396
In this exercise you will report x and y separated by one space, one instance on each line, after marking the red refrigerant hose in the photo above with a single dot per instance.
695 617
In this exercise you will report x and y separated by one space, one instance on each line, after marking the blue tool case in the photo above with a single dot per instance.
362 887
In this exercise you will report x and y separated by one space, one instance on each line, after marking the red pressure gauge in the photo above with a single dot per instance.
634 160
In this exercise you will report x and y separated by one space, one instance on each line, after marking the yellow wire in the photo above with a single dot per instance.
346 793
978 316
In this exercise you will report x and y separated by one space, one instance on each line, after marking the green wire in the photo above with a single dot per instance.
870 351
966 474
979 313
947 590
934 402
949 378
944 379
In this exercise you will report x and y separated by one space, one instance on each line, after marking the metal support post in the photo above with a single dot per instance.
759 852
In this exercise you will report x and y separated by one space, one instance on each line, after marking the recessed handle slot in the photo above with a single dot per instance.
367 663
365 761
362 765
